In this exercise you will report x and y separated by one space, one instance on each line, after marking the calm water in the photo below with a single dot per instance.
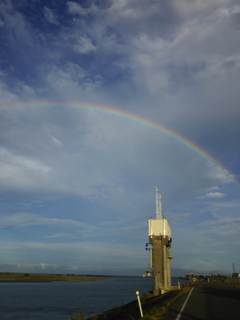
58 300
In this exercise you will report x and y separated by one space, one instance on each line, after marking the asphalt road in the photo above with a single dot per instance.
207 302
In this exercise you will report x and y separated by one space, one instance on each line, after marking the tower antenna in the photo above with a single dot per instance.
158 203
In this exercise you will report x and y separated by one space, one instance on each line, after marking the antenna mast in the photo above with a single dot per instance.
158 204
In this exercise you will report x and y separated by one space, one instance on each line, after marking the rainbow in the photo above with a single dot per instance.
142 120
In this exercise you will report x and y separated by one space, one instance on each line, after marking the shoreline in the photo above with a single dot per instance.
42 277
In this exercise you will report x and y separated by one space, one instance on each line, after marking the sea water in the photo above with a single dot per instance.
58 300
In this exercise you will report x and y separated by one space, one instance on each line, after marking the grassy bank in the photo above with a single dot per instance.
32 277
228 283
153 308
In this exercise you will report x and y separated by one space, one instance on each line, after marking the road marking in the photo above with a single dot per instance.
184 305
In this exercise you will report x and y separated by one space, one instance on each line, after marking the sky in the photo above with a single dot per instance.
100 101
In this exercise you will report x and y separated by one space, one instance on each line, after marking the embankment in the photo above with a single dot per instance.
153 308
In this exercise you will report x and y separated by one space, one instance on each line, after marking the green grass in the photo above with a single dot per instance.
157 311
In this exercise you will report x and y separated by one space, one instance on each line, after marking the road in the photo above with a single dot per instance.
207 302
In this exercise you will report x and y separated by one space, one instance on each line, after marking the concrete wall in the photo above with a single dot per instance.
161 264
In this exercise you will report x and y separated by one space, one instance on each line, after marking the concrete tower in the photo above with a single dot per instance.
160 238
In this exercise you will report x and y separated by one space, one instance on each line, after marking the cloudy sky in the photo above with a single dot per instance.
77 181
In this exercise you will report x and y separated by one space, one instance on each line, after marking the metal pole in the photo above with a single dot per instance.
139 304
158 204
150 258
179 285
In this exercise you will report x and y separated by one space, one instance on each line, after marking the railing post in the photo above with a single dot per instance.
139 304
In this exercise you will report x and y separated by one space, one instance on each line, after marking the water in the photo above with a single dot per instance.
58 300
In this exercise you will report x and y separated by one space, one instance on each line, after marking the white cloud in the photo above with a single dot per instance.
7 96
56 141
87 254
21 171
50 16
84 45
229 221
70 81
215 195
75 8
224 207
208 241
124 9
220 174
19 220
95 155
197 7
62 235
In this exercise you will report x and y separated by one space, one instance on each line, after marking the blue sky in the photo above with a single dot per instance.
77 184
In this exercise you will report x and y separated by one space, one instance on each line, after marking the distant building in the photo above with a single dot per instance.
236 275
